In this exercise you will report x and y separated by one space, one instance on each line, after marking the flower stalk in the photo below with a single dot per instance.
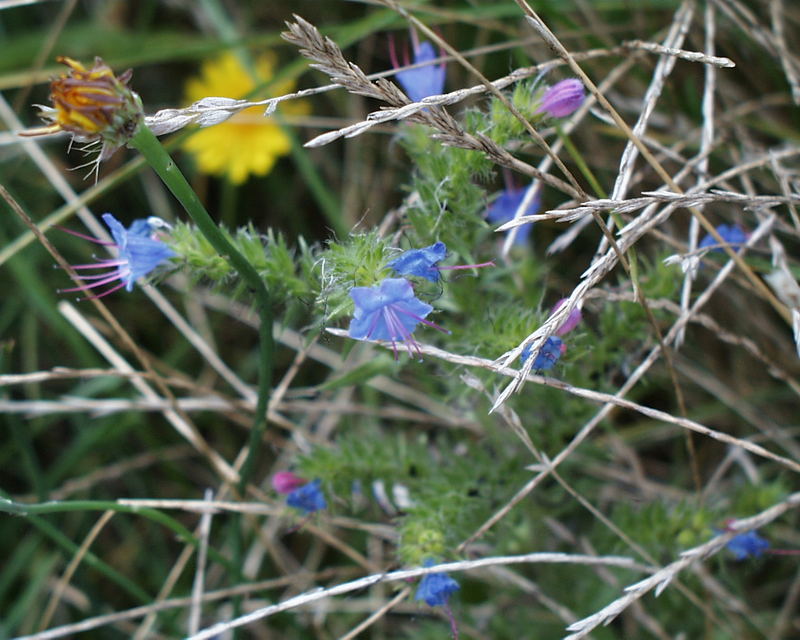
156 156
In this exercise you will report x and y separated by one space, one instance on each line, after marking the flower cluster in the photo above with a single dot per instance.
300 494
93 105
389 310
139 252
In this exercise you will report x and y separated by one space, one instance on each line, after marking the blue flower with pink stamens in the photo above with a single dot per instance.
423 262
389 311
139 252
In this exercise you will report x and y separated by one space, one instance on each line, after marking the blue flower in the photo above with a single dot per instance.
422 262
309 498
506 205
435 588
424 81
747 545
548 355
388 311
732 234
138 254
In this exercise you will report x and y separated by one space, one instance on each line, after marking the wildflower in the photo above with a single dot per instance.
388 311
139 253
424 81
732 234
548 355
308 498
747 545
422 262
286 481
563 98
435 588
572 321
93 105
247 142
506 205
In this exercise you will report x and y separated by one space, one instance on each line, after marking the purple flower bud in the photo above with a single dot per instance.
563 98
572 320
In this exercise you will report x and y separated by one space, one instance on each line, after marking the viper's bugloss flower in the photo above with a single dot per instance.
435 588
548 355
139 252
747 545
424 81
308 498
286 482
732 234
563 98
389 311
422 262
572 321
247 142
93 105
505 206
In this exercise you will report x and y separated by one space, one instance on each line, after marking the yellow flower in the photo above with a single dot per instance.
247 142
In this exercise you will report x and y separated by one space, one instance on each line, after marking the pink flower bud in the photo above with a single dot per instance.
286 482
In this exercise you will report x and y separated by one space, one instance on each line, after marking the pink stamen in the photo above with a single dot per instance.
393 53
427 323
106 279
452 618
85 237
783 552
102 264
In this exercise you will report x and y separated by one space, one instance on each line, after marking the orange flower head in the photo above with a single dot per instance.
93 105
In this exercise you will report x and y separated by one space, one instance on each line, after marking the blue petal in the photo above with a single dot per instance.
748 545
548 355
506 205
425 81
732 234
117 230
309 497
379 309
435 589
420 262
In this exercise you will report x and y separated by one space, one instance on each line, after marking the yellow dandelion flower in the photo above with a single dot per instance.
247 142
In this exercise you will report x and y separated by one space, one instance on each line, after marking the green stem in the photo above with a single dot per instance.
161 162
34 510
